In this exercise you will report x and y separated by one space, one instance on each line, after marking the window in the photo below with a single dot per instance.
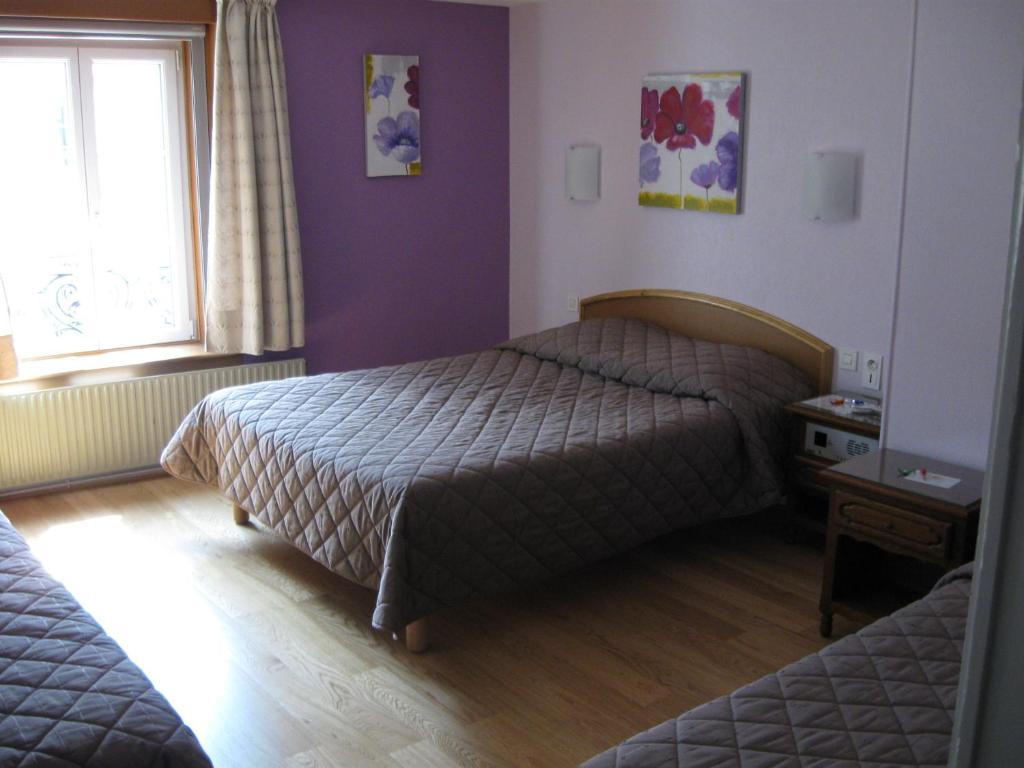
97 249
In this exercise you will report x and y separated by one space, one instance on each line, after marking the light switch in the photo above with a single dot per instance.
848 359
572 303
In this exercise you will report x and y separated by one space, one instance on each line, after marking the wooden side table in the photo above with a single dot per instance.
870 500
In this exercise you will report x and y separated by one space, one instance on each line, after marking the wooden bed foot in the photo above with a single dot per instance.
417 636
241 516
825 625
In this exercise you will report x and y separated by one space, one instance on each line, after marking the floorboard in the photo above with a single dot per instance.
272 661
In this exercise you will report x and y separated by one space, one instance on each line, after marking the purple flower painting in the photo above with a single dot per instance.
728 151
391 96
705 176
381 87
650 164
399 137
693 122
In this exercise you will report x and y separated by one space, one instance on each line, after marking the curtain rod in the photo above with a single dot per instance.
59 29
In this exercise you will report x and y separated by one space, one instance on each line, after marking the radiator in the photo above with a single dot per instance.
61 435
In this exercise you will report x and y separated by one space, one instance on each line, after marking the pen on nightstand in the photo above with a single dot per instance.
907 472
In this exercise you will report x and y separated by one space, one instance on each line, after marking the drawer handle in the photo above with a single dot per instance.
864 517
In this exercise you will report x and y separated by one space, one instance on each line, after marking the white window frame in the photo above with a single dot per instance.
176 161
86 41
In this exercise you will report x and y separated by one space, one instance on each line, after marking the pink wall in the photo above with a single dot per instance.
824 74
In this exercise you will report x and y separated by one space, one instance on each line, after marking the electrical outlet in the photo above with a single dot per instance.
848 359
871 376
573 303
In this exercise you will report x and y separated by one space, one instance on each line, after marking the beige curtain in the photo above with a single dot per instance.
254 296
8 360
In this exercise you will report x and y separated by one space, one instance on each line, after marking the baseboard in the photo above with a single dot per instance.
80 483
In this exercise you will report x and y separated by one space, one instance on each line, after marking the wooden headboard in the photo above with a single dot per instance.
714 319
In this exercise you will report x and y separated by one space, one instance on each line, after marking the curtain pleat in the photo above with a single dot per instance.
254 298
8 360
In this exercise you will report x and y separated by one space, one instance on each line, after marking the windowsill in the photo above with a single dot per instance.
115 365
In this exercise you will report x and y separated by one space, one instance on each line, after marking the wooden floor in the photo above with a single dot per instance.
271 659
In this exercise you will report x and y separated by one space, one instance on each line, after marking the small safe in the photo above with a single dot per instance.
836 444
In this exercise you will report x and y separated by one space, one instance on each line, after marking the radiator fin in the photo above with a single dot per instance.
61 435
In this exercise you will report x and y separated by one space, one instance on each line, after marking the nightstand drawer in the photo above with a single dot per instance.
881 522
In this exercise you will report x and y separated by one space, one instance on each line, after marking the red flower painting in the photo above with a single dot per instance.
693 134
413 86
734 104
648 112
685 118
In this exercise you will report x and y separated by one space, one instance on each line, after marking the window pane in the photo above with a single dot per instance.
44 257
95 237
137 216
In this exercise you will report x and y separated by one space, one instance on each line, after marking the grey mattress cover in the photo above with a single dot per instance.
69 696
437 481
882 697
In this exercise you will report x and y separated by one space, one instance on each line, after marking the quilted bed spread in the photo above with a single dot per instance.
882 697
68 694
437 481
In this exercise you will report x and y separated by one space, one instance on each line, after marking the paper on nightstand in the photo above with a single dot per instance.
931 478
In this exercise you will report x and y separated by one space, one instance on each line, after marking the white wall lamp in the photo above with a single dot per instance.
583 172
830 186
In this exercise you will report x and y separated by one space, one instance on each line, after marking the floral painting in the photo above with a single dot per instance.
691 134
392 95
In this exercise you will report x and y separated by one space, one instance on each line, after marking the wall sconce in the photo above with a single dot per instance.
583 172
830 186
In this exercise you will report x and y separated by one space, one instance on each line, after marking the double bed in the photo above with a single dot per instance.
438 481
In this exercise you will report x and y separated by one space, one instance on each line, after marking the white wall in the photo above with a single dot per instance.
960 181
824 74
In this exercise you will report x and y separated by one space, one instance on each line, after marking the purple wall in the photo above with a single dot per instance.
400 269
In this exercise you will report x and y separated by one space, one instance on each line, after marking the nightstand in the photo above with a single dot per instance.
871 500
823 435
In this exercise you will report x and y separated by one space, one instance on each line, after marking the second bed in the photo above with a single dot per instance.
438 481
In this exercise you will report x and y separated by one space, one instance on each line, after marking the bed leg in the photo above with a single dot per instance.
417 636
241 516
